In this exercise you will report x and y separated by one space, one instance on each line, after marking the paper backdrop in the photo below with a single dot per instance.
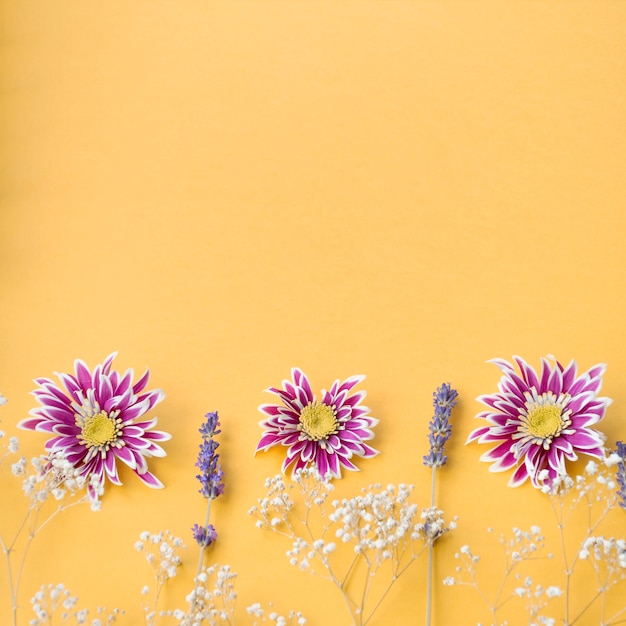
224 190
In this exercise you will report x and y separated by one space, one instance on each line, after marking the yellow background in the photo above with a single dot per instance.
222 190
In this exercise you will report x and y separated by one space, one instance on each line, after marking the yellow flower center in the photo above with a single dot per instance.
318 421
545 421
99 431
544 417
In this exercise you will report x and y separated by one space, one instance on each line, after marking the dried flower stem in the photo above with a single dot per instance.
53 475
565 495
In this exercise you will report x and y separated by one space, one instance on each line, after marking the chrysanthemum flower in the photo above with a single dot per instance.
95 420
327 433
538 421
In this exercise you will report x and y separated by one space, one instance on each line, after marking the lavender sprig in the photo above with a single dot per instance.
204 535
208 459
439 427
210 478
621 474
444 400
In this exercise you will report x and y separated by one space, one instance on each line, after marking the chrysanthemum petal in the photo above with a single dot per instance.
83 376
519 476
140 385
125 455
150 480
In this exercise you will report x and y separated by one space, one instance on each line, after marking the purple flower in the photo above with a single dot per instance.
327 433
208 460
538 421
95 420
621 474
439 427
210 427
205 536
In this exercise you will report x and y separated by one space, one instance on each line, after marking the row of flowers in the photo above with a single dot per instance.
536 423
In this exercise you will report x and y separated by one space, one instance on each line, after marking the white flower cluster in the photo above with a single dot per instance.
595 485
276 510
293 618
11 448
53 598
610 552
520 547
381 523
360 534
213 599
55 476
13 445
536 600
523 545
161 552
273 510
467 567
433 525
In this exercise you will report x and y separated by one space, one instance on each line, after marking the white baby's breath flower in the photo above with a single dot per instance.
553 592
19 469
613 459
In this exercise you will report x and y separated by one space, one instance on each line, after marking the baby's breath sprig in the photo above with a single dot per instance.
593 494
213 598
52 485
581 505
262 616
162 553
520 548
377 533
607 557
54 602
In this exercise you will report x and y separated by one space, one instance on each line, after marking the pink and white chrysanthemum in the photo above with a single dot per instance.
326 434
96 419
538 421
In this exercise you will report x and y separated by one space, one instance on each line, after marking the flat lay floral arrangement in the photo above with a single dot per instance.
542 426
